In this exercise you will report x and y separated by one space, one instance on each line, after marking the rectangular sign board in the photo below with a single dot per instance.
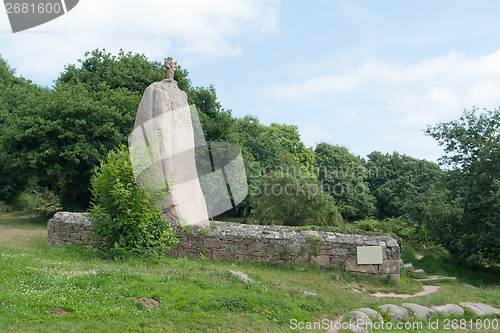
369 255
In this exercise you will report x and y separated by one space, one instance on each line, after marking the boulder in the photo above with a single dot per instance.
480 309
357 329
409 267
396 312
371 313
420 311
449 309
360 318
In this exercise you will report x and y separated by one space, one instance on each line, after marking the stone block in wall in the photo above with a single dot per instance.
269 248
256 247
389 267
230 246
222 255
338 252
211 243
248 241
321 260
63 235
295 248
301 260
351 265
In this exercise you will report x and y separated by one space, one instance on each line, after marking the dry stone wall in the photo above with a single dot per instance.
244 242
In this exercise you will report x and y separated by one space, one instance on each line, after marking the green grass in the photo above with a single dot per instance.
194 295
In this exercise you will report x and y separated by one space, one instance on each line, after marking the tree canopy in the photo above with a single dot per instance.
469 194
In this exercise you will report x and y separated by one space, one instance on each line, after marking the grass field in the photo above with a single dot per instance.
194 295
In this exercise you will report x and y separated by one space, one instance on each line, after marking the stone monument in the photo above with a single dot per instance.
162 147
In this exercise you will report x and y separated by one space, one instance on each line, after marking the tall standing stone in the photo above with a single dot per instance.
162 148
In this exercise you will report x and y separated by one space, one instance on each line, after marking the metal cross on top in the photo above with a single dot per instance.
170 66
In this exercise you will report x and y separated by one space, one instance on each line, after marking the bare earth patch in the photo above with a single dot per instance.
57 311
149 302
427 290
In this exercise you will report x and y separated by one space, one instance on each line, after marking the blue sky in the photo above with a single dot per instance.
369 75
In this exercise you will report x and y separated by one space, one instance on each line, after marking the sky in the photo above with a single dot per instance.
367 75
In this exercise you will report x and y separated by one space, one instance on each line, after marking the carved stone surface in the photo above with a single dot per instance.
163 122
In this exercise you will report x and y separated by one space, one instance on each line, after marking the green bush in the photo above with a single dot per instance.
125 217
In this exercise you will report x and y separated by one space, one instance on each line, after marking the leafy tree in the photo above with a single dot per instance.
344 177
267 148
125 217
395 179
471 187
60 135
218 124
13 92
290 200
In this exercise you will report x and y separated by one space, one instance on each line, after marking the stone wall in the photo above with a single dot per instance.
66 227
244 242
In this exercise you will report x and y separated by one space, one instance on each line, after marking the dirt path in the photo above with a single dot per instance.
427 290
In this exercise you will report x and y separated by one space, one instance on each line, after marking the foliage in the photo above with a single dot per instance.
398 179
60 135
291 200
13 92
344 177
404 228
470 191
124 216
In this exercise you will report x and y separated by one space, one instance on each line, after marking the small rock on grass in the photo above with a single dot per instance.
57 311
449 309
309 293
469 285
241 276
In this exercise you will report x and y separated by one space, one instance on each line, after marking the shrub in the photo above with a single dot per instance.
125 217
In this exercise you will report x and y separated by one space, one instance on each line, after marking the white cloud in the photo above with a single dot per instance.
418 94
199 28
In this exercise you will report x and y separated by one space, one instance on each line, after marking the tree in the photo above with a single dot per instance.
287 199
395 179
344 177
472 147
60 135
13 92
268 148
